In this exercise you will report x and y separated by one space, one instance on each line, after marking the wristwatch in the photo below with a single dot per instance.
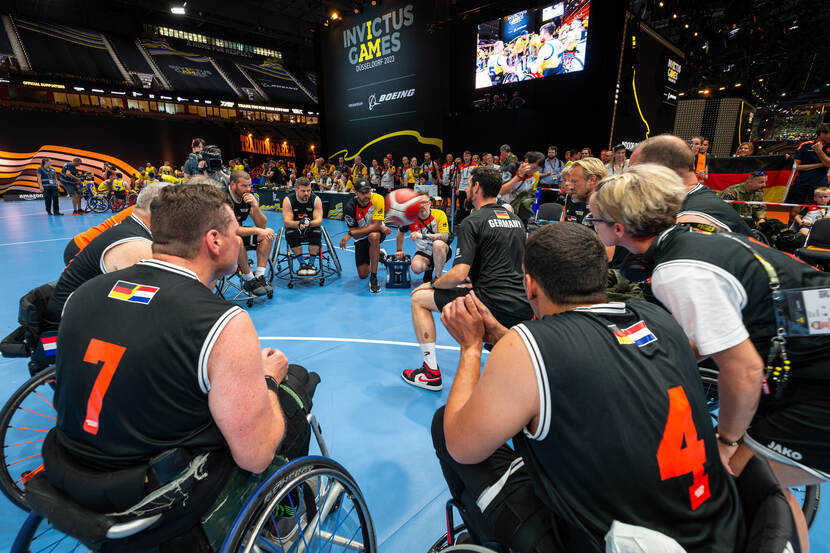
272 383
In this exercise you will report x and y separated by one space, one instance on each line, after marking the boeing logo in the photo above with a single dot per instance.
374 100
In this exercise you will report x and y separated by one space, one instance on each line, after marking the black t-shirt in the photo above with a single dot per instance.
90 262
241 209
814 177
623 421
150 328
491 241
575 211
705 202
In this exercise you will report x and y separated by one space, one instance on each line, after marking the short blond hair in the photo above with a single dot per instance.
645 199
591 166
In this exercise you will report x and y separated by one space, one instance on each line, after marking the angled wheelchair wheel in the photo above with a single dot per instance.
442 543
310 505
37 535
27 417
97 204
808 496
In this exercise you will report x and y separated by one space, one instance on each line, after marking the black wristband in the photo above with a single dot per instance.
272 383
724 441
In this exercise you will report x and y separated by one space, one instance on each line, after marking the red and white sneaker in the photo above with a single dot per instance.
423 377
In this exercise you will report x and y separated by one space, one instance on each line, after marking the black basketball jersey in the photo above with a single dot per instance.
704 202
241 209
624 432
575 211
302 210
89 263
491 240
132 365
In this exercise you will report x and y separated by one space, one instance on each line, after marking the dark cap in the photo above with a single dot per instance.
362 185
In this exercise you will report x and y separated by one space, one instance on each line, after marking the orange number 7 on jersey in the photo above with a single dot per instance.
676 460
96 352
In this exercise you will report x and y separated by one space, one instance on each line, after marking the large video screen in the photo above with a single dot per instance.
531 44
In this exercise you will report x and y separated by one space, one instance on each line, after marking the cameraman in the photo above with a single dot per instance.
212 157
195 164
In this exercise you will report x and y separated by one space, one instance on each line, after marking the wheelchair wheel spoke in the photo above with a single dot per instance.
297 520
43 398
339 524
32 429
38 414
21 460
23 443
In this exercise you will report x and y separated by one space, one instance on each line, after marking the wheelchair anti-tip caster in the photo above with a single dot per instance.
270 295
291 285
322 282
249 303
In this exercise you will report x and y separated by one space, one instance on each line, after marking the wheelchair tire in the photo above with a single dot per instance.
808 496
21 426
441 543
98 205
253 520
37 534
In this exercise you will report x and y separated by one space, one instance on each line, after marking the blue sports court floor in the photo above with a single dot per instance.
375 425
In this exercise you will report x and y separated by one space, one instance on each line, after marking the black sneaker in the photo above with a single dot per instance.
310 269
423 377
428 275
374 287
254 286
265 283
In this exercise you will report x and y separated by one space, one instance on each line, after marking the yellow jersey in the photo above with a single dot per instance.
166 170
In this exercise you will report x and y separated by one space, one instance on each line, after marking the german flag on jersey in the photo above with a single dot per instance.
502 215
132 292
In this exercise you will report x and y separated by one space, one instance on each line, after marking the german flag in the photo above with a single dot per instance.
502 215
726 171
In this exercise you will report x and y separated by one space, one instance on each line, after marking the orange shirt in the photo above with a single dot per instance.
81 240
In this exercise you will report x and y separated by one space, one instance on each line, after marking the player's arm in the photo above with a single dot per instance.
288 214
485 411
822 157
317 215
443 225
127 254
237 377
257 215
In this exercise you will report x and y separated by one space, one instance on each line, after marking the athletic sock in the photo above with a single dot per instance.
247 277
374 276
259 272
429 356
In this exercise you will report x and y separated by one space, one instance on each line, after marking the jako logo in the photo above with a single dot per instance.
374 101
787 452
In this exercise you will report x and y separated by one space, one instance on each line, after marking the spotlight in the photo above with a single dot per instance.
374 2
722 88
674 16
686 26
335 16
178 10
737 85
695 33
661 4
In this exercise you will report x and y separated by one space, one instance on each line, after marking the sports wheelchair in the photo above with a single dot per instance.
283 262
309 504
232 289
114 201
816 250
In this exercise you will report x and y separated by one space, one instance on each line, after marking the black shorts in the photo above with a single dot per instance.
446 192
361 252
795 430
443 297
312 236
250 242
429 256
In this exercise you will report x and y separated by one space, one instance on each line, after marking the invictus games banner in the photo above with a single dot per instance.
385 82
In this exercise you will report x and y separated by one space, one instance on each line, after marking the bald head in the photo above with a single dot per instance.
669 151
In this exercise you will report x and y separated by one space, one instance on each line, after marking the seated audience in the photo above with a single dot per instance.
618 163
745 149
817 211
718 286
302 213
520 190
258 237
431 234
751 190
561 387
489 258
702 204
364 215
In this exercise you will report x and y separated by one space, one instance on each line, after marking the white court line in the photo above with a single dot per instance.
36 241
356 340
23 215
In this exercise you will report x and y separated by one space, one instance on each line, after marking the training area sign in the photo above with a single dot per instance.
383 86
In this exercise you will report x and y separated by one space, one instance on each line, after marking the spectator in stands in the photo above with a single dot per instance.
166 169
292 179
432 168
586 153
269 173
520 190
47 180
718 288
572 156
618 162
702 204
506 157
358 170
374 174
551 171
149 171
745 149
281 176
317 166
516 102
701 162
71 181
341 166
751 190
490 162
194 165
246 165
573 358
812 160
704 147
387 176
414 171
